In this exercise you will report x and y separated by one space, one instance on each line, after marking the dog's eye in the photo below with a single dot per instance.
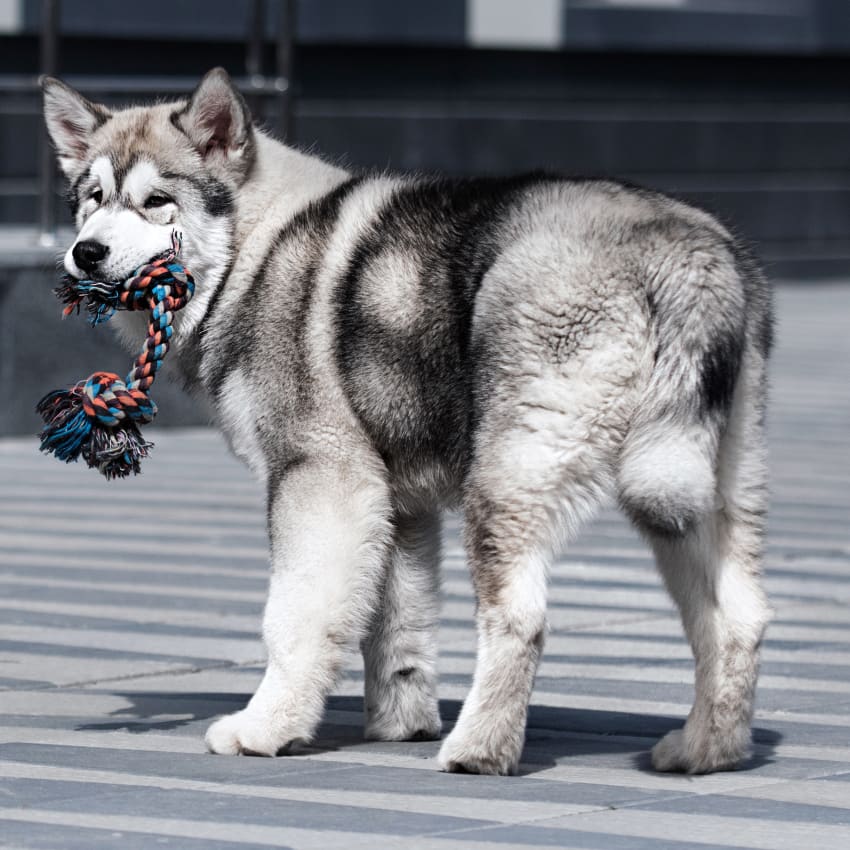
96 195
155 201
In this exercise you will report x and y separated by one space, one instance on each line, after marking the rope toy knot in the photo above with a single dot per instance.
98 419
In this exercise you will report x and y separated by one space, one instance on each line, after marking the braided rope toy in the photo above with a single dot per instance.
98 419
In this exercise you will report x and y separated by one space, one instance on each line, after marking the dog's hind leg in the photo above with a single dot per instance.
711 564
519 506
330 530
558 381
400 649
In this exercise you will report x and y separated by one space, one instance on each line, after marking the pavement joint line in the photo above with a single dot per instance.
390 801
741 791
223 831
184 671
759 833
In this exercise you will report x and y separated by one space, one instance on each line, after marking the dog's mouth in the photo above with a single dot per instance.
104 279
101 278
97 276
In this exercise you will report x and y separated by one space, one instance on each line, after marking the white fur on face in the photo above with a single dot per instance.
135 234
131 238
140 182
101 170
101 180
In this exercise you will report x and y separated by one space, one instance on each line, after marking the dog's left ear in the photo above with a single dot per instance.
71 121
218 123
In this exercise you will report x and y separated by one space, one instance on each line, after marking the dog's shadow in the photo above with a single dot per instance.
176 708
553 735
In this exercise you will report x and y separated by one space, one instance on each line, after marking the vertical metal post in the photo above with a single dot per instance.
254 54
8 330
283 80
48 64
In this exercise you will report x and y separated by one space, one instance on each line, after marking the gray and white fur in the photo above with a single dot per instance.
379 348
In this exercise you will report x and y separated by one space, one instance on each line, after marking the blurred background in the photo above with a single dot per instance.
742 106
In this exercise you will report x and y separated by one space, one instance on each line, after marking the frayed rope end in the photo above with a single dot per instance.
69 433
102 298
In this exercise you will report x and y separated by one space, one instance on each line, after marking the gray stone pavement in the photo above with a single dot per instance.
130 613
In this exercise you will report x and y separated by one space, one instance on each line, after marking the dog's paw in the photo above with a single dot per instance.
685 751
471 752
412 729
243 734
413 718
668 753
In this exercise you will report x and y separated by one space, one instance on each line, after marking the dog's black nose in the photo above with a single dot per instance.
88 254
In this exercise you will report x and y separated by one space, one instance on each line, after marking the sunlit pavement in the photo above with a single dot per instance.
130 614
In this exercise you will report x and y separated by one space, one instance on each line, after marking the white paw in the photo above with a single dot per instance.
687 751
469 749
668 753
407 712
244 733
421 724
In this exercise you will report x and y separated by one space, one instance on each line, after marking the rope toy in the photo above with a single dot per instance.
98 419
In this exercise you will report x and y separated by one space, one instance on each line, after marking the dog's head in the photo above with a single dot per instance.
137 174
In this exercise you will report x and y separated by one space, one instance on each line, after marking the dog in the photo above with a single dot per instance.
379 348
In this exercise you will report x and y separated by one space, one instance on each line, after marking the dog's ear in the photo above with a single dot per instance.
71 120
218 122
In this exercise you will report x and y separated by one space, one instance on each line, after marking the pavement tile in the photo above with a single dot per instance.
26 835
151 802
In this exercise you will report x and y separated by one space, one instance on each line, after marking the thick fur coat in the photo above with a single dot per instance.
379 348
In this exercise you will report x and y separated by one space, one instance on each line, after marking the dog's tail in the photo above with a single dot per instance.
710 310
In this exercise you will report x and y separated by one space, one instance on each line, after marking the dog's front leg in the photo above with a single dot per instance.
330 528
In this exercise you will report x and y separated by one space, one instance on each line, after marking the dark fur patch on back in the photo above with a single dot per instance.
411 385
311 227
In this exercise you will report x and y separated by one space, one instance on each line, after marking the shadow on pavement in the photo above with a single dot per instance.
553 734
175 710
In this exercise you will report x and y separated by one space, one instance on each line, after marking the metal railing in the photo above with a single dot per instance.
48 55
258 87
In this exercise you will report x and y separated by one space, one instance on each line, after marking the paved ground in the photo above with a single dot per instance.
114 658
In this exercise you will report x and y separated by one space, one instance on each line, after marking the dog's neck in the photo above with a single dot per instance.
282 182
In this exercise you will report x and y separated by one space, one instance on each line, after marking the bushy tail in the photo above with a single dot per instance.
709 305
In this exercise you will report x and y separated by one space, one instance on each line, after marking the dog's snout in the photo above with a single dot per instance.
88 254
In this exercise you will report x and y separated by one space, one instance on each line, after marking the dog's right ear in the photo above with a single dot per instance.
71 120
218 123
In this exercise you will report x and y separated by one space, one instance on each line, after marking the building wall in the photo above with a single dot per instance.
742 106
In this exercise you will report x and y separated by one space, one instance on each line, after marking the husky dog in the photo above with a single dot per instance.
379 348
